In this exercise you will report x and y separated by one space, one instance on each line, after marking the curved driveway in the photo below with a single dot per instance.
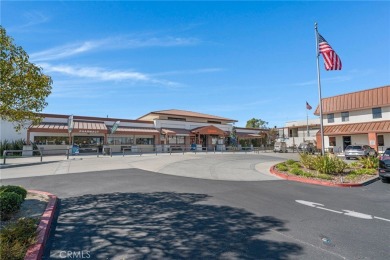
232 167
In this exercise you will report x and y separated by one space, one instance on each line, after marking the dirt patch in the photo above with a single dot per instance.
33 207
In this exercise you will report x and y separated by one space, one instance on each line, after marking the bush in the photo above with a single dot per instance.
363 171
296 171
9 203
13 145
17 189
16 238
329 165
324 177
296 165
369 162
290 162
307 160
282 167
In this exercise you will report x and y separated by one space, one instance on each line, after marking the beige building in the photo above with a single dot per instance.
361 117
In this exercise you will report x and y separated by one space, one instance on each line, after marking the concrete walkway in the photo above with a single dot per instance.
227 166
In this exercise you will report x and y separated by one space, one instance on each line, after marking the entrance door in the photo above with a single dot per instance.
203 138
346 141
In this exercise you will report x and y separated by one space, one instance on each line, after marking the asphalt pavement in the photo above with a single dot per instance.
133 213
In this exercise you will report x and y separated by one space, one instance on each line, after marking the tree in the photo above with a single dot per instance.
24 87
256 123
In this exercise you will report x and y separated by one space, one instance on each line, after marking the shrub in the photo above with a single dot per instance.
17 189
296 171
329 165
16 238
290 162
369 162
307 160
282 167
9 203
296 165
324 176
355 165
363 171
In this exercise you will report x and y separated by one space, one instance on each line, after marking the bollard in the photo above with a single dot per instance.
214 149
67 154
4 156
111 151
170 151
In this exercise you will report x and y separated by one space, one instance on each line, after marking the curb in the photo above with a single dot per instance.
35 251
318 182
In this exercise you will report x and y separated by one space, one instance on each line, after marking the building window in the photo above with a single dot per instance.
330 118
345 116
377 112
332 141
176 140
381 140
214 122
144 141
47 140
293 132
176 119
120 140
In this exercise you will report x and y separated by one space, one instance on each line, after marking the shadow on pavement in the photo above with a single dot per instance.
161 225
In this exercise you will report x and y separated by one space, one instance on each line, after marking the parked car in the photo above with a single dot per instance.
357 151
280 147
306 148
384 166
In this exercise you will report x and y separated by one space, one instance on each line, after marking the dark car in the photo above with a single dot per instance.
306 148
384 166
357 151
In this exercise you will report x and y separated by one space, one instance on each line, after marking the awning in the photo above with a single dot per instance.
91 127
208 130
177 131
248 135
136 131
49 127
358 128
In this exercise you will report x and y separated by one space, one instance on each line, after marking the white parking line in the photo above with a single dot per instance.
346 212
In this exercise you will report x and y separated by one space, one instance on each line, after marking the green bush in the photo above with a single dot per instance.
13 145
355 165
307 160
329 165
290 162
9 203
296 165
296 171
282 167
369 162
324 176
16 238
363 171
17 189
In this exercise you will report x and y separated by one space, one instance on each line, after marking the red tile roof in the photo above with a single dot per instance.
365 99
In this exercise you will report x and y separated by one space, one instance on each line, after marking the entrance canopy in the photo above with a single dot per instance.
177 132
138 131
90 127
208 130
49 127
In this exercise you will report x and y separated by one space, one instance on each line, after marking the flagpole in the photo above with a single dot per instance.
319 91
307 122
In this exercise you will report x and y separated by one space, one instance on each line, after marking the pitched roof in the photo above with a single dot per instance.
365 99
185 113
359 128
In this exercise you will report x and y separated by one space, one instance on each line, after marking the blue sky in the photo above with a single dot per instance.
233 59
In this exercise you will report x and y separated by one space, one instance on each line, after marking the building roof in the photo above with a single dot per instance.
365 99
184 113
207 130
358 128
136 130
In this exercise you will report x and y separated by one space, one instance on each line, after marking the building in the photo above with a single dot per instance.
296 132
361 117
155 131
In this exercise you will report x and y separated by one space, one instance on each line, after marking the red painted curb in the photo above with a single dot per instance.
316 182
35 251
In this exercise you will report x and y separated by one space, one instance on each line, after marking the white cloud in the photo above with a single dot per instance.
101 74
121 42
195 71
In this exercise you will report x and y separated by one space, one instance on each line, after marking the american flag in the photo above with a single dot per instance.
332 60
308 106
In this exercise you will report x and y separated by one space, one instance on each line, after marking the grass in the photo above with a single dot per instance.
16 238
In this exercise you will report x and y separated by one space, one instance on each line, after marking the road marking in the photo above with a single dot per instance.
356 214
346 212
331 210
382 219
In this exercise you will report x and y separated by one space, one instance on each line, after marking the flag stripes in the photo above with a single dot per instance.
332 60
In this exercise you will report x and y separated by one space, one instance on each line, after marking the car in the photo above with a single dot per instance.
359 150
280 147
306 148
384 166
